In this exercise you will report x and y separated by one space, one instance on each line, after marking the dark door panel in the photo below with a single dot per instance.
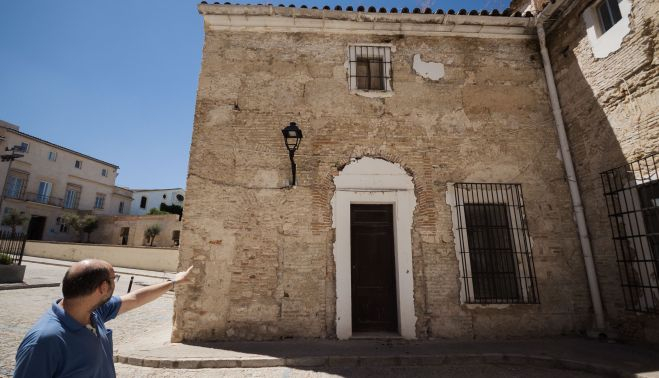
36 227
373 279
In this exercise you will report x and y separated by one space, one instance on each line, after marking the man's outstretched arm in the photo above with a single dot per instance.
147 294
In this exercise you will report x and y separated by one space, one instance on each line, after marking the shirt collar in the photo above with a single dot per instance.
65 319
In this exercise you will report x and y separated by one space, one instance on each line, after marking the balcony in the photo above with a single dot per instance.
35 197
46 200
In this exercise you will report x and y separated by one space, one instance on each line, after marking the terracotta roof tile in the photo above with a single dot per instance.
495 12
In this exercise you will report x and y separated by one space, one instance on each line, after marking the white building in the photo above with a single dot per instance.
146 199
49 180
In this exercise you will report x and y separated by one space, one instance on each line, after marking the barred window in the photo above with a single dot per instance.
632 199
492 244
370 68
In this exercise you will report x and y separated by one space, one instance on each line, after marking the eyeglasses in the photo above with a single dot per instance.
115 278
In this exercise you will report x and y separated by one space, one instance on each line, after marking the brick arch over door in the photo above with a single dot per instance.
374 181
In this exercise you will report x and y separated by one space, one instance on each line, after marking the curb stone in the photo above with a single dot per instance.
19 286
372 361
119 269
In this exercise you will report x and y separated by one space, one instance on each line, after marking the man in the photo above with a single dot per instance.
70 339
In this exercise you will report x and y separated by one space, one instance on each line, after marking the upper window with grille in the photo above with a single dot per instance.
370 68
493 244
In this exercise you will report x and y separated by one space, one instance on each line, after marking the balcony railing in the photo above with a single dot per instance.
15 194
46 200
34 197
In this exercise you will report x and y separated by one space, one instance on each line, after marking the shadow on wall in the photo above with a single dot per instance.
585 88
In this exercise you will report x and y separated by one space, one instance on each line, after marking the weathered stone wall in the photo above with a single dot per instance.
611 111
264 266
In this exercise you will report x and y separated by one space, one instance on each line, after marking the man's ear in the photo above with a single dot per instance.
103 287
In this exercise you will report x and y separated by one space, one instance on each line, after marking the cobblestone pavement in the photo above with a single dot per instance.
454 371
20 309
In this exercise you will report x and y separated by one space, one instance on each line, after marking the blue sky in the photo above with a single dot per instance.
117 79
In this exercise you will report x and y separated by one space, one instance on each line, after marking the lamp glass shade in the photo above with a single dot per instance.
292 136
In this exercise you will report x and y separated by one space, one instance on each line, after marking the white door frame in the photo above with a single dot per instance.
374 181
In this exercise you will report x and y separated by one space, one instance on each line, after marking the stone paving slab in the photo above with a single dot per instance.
568 353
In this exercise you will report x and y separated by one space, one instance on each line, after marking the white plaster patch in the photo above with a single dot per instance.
458 121
265 178
429 70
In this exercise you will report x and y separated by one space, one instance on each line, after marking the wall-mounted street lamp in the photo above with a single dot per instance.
292 138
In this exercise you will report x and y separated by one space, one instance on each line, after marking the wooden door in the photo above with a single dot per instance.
35 227
373 269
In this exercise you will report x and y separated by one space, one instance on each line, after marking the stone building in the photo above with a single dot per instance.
434 191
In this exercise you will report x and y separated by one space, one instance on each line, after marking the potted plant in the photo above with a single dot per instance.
10 272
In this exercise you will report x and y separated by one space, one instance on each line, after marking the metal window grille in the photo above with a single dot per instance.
632 199
370 68
496 263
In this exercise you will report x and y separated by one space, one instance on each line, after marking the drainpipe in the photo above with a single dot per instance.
577 204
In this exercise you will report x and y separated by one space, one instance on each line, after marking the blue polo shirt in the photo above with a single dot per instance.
59 346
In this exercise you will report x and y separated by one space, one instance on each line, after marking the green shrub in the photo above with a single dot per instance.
5 259
173 209
155 211
14 219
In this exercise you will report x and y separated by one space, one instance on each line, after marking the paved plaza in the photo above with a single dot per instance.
142 336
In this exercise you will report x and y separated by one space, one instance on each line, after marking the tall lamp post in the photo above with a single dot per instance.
292 138
10 157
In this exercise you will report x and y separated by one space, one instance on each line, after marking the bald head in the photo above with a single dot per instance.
84 277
